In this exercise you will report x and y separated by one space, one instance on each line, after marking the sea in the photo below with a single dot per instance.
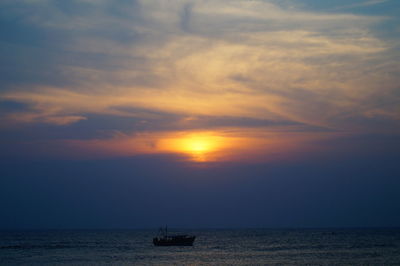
211 247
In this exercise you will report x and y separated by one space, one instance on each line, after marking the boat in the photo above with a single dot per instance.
163 239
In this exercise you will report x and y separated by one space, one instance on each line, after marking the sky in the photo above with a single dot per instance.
199 114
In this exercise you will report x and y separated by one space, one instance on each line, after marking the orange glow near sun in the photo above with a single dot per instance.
227 145
201 147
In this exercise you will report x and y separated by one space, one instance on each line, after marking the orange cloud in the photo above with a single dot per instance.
247 59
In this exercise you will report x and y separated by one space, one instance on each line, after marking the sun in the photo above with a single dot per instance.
199 146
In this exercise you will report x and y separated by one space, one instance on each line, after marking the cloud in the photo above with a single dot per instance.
249 59
61 120
362 4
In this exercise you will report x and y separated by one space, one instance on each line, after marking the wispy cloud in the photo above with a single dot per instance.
218 61
362 4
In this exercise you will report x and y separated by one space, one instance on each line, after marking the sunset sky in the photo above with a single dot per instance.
206 113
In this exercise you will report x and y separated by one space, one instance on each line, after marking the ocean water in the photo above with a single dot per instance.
212 247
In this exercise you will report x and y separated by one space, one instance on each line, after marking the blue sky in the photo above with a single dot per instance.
284 109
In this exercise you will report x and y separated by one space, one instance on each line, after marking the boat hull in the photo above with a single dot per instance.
186 241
